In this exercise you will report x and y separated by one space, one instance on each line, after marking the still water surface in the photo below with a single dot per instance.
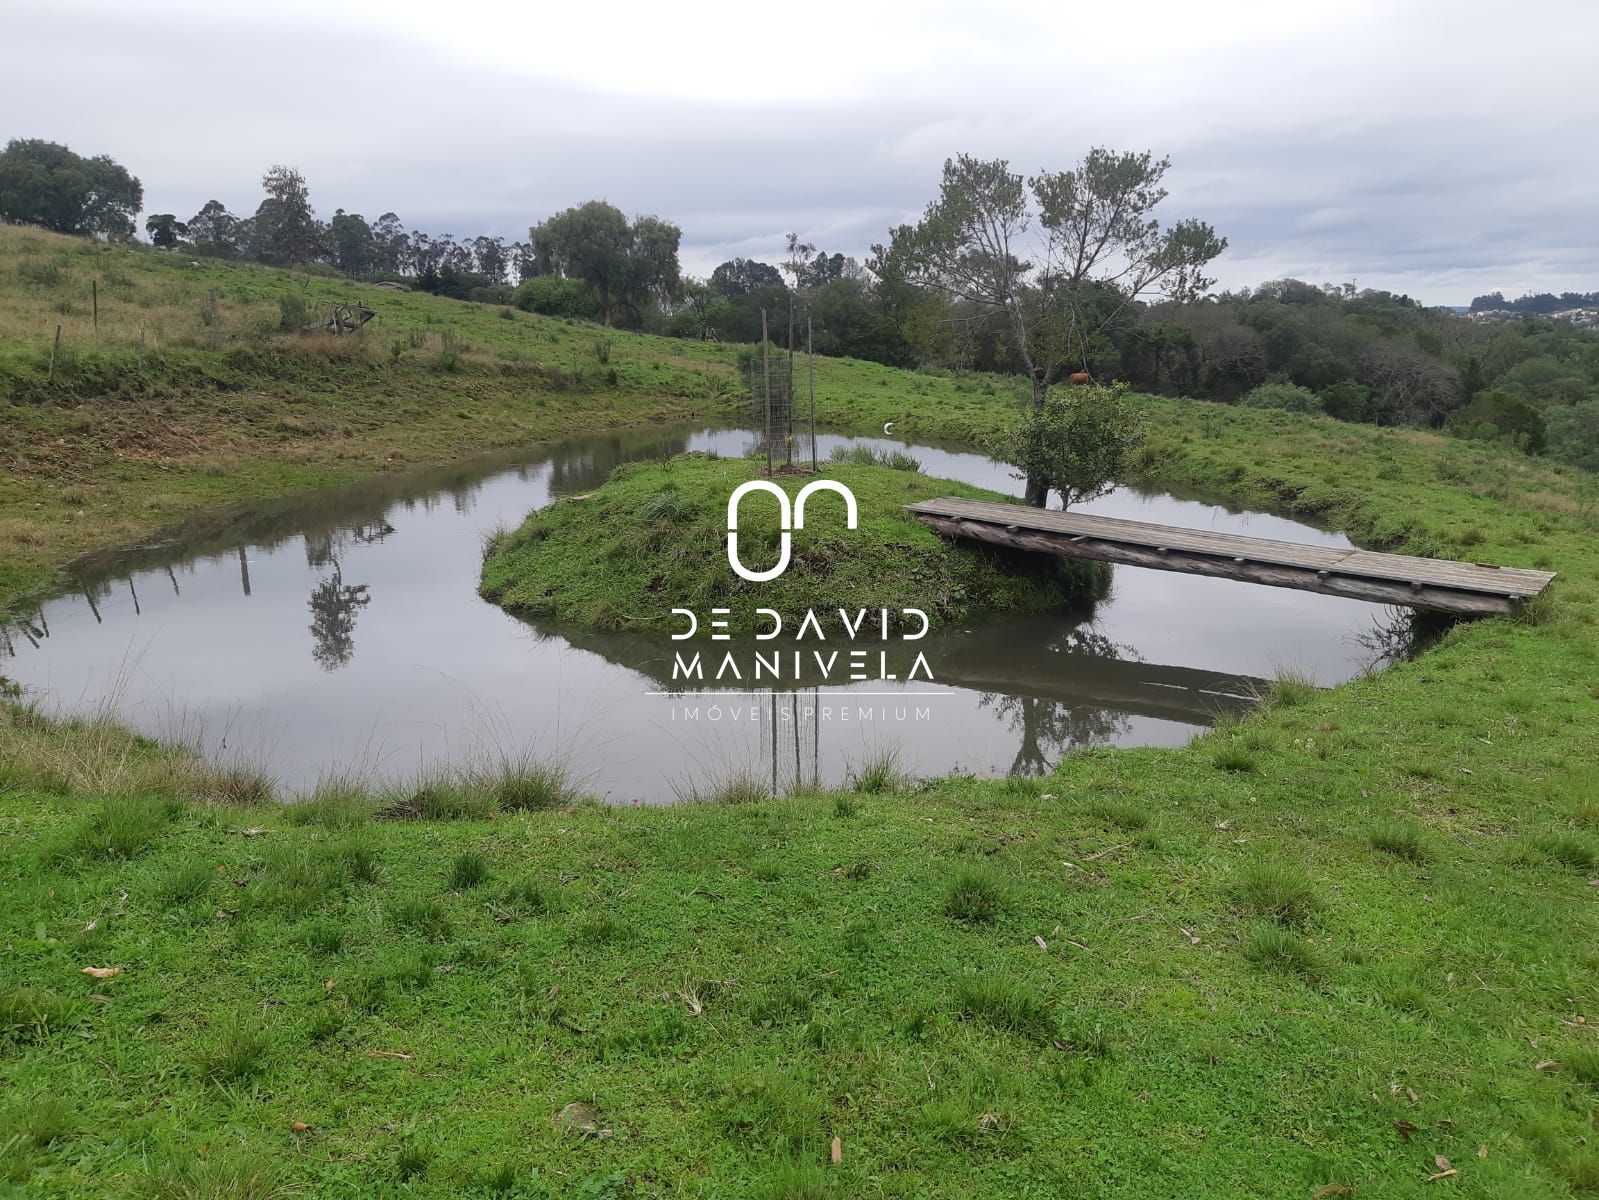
339 632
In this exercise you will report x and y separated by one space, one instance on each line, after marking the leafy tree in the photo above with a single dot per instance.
391 246
1497 416
702 314
43 183
739 276
214 230
1407 385
1573 434
798 261
354 247
457 283
626 264
1347 400
165 229
490 257
740 320
1161 356
434 255
1078 443
286 228
850 322
427 254
522 261
822 270
1060 256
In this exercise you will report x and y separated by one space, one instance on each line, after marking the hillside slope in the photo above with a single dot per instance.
190 393
1317 951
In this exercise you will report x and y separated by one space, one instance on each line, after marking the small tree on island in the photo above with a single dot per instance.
1079 444
1062 255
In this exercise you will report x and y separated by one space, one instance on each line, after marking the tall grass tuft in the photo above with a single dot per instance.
1118 814
1233 757
238 1052
299 876
1567 850
1582 1064
469 870
1282 893
334 804
733 785
229 1176
518 784
668 507
878 774
1399 839
1290 689
27 1013
438 796
1279 950
869 456
1006 1005
425 917
117 829
973 896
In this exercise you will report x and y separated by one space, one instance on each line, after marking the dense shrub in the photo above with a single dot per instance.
1498 417
554 296
1289 397
1573 434
1348 401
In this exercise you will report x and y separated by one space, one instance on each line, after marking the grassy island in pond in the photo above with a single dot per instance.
654 538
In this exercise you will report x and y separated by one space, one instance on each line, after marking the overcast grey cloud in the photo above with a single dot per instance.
1438 149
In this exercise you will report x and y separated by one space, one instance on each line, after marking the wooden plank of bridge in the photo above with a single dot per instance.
1436 584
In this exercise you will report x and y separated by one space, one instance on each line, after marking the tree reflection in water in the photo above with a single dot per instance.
333 608
334 604
1401 634
1048 729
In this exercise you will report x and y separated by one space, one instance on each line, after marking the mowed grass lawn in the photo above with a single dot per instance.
1305 952
1346 947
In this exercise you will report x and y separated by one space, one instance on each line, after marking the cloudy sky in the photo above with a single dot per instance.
1443 149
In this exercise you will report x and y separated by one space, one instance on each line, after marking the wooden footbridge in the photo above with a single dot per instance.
1474 589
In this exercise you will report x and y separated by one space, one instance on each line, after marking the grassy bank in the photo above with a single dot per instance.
1319 949
654 537
1347 947
189 393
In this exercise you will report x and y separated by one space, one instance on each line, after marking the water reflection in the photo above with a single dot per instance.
296 629
335 603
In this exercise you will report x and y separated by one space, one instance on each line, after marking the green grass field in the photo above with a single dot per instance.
1346 947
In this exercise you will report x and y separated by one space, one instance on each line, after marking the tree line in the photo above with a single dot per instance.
1063 272
1543 303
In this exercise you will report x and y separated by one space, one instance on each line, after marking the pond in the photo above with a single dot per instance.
338 634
